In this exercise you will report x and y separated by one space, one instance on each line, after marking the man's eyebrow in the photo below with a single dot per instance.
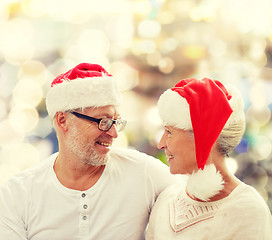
106 115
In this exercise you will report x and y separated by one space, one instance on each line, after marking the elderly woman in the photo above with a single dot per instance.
204 122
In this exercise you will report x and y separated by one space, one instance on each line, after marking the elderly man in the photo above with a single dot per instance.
86 190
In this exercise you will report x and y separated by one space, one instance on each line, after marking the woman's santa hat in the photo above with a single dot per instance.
204 106
85 85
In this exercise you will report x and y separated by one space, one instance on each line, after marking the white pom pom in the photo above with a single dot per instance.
205 183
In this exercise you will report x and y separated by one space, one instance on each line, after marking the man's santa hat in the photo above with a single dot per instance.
204 106
85 85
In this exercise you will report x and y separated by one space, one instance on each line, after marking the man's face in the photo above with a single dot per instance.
86 141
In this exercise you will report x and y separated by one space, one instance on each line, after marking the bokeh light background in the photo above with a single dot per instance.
148 46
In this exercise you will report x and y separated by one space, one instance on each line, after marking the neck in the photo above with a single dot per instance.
74 174
230 183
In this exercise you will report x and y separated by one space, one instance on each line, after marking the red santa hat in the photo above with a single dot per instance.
85 85
204 106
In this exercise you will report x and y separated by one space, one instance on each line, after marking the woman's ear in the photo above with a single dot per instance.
61 120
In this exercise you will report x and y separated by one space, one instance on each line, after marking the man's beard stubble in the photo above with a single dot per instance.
84 150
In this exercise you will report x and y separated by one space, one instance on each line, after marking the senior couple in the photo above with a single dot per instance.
90 191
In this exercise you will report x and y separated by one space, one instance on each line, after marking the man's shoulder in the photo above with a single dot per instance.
131 154
176 188
29 175
130 158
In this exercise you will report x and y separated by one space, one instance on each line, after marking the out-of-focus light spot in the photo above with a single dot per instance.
135 47
33 8
231 165
256 94
9 136
23 156
73 12
153 58
152 118
262 147
76 11
23 119
169 45
121 32
149 28
205 10
253 127
146 46
268 131
257 178
93 42
18 54
34 69
131 114
166 17
260 113
3 109
4 11
7 79
75 8
217 48
203 68
261 177
125 76
142 7
257 49
27 92
194 52
255 18
166 65
92 46
15 41
15 30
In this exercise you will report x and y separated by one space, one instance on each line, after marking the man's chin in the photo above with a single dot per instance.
97 160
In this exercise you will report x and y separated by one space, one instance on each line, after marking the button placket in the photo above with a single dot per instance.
84 214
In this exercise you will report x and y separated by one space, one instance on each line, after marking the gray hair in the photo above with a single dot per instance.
234 129
230 137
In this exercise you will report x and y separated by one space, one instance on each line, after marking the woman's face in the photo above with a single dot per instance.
179 147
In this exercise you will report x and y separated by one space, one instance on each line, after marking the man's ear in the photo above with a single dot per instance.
61 120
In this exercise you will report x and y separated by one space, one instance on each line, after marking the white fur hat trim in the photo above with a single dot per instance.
206 183
174 110
82 93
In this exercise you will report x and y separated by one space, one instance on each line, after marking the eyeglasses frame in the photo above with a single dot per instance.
98 120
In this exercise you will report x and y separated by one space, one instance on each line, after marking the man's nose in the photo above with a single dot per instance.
112 131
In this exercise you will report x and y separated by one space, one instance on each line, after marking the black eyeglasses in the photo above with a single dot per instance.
104 124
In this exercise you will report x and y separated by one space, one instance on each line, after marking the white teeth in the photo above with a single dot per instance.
104 144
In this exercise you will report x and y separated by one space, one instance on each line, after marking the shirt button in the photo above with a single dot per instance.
85 206
84 217
83 195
